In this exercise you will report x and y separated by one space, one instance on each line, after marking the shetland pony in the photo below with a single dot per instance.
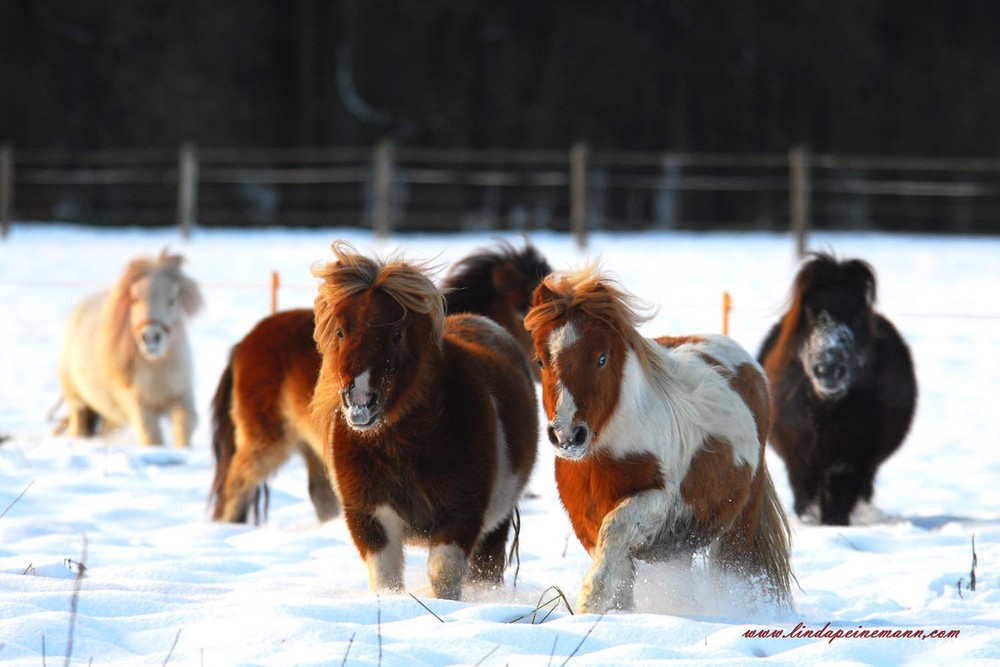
126 357
431 421
844 389
659 443
260 411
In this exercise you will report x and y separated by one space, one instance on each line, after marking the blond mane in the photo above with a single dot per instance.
598 297
117 345
409 284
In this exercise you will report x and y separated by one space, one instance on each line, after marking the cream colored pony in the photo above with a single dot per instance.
126 357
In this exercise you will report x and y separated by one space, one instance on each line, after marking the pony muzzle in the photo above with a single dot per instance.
153 338
572 441
830 372
362 409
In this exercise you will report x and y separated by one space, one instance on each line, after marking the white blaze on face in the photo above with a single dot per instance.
360 390
559 341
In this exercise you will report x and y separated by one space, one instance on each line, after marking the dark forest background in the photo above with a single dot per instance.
849 76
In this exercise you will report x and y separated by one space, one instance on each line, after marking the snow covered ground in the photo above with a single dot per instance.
165 585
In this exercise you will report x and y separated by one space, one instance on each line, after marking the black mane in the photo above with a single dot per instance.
469 285
822 270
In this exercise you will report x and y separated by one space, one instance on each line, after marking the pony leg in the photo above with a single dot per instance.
82 421
488 561
146 423
379 538
324 498
841 487
183 419
632 524
447 564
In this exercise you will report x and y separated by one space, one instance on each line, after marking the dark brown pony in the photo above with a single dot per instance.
431 420
659 443
260 409
844 389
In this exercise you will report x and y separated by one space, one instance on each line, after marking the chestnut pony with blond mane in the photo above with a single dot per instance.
431 421
126 357
260 412
659 443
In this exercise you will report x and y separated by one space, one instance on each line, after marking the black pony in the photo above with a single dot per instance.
843 387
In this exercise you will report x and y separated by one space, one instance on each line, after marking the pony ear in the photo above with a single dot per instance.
505 278
863 272
543 293
191 299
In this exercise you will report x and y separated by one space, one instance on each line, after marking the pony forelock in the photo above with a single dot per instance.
597 296
818 269
409 283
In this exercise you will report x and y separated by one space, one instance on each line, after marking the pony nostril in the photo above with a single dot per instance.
345 398
151 337
372 399
553 436
580 434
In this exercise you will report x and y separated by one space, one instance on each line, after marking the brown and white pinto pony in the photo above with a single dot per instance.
126 359
260 411
659 443
432 421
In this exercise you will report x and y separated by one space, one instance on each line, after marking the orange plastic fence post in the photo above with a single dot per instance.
275 281
727 306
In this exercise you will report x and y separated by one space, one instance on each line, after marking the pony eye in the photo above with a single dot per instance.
397 335
538 360
601 360
340 333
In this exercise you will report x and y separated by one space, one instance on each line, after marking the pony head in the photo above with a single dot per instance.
498 282
147 307
831 322
380 328
583 326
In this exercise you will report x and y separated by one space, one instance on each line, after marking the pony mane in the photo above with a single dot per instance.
598 297
117 345
469 283
409 284
820 269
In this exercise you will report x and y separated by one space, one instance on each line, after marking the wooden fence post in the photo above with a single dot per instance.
578 193
6 188
187 188
381 187
798 197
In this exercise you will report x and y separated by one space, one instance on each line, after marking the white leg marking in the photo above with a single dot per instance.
633 525
385 567
446 565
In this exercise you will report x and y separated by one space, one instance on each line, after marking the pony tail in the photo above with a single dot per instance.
223 434
772 543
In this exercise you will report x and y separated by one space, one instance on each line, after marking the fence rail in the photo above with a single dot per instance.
391 188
